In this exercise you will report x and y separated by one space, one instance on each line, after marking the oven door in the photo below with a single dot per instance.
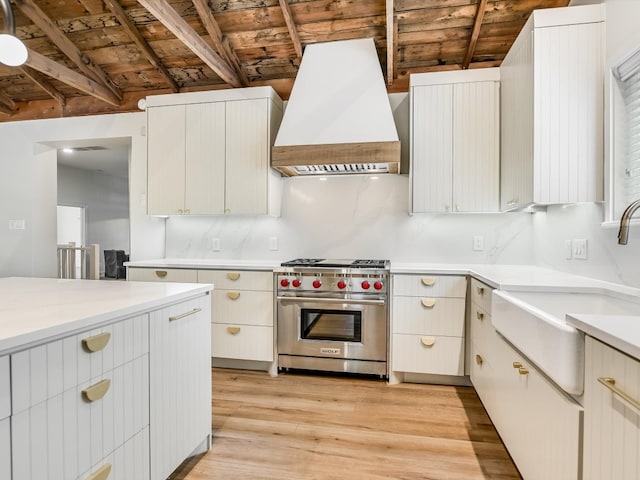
333 328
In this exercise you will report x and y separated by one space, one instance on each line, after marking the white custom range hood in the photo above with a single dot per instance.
338 119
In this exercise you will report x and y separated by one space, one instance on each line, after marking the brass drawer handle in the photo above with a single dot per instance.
479 360
428 302
233 295
517 365
523 371
179 211
610 383
96 391
185 314
161 273
428 281
187 211
480 290
479 315
97 342
427 341
233 276
101 474
233 330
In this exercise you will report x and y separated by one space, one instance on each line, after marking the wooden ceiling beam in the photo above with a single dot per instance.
40 80
291 26
7 102
140 41
65 75
219 41
475 33
187 35
84 63
392 37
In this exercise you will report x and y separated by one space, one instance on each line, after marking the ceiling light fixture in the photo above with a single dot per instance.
13 52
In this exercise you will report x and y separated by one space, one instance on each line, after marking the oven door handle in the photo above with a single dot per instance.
380 303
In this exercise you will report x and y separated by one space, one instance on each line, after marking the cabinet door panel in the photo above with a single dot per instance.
5 390
444 357
249 342
166 159
5 449
432 149
205 158
247 151
242 307
428 316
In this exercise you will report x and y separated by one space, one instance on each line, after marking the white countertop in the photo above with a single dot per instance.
205 264
36 309
619 331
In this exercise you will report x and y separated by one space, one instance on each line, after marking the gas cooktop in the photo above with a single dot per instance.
336 263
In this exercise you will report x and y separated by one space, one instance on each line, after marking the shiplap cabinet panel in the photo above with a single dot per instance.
425 315
243 342
611 424
180 275
243 307
5 449
238 279
5 387
130 461
444 357
180 382
427 285
455 141
552 109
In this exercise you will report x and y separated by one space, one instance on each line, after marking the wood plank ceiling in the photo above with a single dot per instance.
93 56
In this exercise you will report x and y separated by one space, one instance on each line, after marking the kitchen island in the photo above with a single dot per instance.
102 379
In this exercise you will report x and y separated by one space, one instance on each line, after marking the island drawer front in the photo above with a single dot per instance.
245 342
45 371
481 295
424 315
242 307
67 435
425 285
180 275
237 279
5 388
5 448
129 462
444 357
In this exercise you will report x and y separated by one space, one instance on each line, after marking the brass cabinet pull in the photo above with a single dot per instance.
479 315
480 290
427 341
96 391
428 302
610 383
179 211
233 276
428 281
517 365
101 474
479 360
97 342
161 273
233 295
185 314
233 330
227 210
187 211
523 371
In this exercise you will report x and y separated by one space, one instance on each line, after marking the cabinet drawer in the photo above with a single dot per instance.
242 307
5 388
66 435
430 285
444 357
5 449
425 315
237 279
481 331
162 275
483 377
244 342
481 295
47 370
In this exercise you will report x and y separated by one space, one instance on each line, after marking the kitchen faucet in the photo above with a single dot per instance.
623 233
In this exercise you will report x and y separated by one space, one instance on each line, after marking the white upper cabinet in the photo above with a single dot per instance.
552 109
209 152
455 140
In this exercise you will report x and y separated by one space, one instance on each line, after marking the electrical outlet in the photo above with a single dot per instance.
273 243
478 243
568 250
580 248
16 224
215 244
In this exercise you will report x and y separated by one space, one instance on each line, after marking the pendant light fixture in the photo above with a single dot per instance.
13 52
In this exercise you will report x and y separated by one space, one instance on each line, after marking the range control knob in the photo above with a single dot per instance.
317 283
296 283
284 282
365 285
342 284
377 285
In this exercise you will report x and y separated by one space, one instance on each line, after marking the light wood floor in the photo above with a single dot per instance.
322 427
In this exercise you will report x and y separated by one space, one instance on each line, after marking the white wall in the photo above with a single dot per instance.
106 198
28 188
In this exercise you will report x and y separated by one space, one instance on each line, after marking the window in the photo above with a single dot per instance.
627 140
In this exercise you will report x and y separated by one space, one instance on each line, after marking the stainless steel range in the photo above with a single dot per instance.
333 315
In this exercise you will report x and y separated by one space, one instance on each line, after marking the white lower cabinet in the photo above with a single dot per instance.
5 448
180 383
611 421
